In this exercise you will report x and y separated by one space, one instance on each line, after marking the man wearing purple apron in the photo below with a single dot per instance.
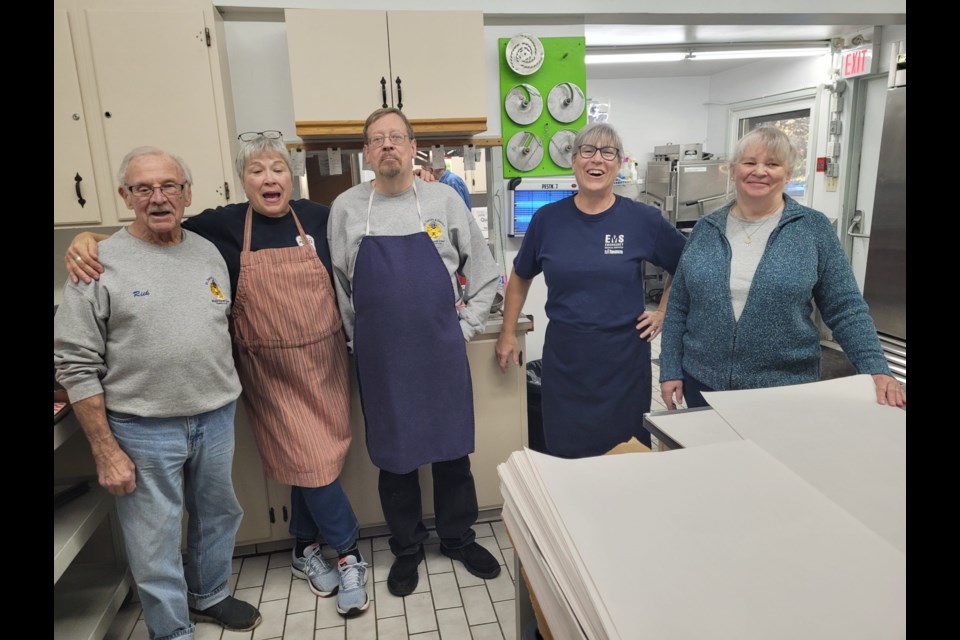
396 245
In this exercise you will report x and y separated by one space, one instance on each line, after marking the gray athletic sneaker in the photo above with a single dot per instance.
318 573
353 595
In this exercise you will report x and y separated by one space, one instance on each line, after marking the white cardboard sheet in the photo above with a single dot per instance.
694 428
834 435
719 541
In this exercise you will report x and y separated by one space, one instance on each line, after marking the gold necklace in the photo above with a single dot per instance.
748 237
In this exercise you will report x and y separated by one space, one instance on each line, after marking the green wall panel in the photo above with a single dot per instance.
563 62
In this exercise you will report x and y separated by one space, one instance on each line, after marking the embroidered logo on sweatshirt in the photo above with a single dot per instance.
139 293
613 244
218 297
434 229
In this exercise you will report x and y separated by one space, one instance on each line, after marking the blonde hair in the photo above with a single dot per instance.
770 139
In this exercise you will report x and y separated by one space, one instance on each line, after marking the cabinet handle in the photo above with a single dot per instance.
399 94
520 355
80 199
273 516
383 91
284 513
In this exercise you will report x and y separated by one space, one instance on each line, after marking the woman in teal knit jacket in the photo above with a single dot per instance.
739 314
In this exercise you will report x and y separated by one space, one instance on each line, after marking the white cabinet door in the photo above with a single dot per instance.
438 57
74 188
337 59
154 84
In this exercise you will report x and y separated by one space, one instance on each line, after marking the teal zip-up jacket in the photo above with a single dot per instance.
775 342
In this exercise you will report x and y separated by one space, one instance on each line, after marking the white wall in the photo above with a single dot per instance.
260 75
649 112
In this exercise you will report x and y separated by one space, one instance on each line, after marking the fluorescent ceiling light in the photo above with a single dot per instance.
668 53
610 58
757 53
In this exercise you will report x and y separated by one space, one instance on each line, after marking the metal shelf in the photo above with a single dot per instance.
86 599
74 523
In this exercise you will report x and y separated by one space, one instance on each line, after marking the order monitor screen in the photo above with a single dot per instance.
526 195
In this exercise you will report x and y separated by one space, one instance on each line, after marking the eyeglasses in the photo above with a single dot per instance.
169 189
587 151
378 140
248 136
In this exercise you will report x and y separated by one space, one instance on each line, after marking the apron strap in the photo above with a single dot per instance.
248 226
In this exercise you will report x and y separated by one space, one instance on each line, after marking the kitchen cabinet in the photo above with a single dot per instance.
130 73
90 577
431 64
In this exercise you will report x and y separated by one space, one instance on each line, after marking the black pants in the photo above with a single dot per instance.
454 503
693 391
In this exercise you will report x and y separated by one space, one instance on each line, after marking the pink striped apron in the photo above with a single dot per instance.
291 356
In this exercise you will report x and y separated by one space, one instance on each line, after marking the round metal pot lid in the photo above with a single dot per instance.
561 148
524 54
523 104
524 151
566 102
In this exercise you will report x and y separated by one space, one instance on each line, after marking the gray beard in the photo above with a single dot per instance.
390 171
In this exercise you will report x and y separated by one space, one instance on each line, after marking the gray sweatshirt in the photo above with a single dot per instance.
152 334
460 244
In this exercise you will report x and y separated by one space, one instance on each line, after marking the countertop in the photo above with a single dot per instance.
495 325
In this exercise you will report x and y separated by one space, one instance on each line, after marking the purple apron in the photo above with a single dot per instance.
415 386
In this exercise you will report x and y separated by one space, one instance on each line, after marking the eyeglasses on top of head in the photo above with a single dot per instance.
169 189
249 136
395 138
587 151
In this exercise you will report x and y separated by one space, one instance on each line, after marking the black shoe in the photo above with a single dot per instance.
229 613
476 559
404 574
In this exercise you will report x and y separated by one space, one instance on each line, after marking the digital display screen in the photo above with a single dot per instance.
526 203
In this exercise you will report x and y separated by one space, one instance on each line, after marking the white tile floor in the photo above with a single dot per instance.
448 604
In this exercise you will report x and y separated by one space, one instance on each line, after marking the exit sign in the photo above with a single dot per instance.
857 62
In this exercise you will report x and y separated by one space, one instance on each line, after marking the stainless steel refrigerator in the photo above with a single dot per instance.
885 285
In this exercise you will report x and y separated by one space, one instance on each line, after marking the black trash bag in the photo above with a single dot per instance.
535 406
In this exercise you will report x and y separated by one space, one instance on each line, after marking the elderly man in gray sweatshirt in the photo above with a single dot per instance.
144 354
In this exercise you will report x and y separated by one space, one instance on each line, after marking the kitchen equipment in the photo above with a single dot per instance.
683 185
525 151
561 148
523 104
566 102
524 54
526 195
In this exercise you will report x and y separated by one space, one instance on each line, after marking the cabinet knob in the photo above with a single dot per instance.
76 116
107 114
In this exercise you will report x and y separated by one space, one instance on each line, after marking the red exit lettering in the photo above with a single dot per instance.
855 62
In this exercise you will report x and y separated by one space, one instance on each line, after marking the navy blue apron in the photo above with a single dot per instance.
415 386
596 388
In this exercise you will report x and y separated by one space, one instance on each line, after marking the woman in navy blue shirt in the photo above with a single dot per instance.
591 248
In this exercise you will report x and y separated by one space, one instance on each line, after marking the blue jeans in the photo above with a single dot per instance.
325 511
180 461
